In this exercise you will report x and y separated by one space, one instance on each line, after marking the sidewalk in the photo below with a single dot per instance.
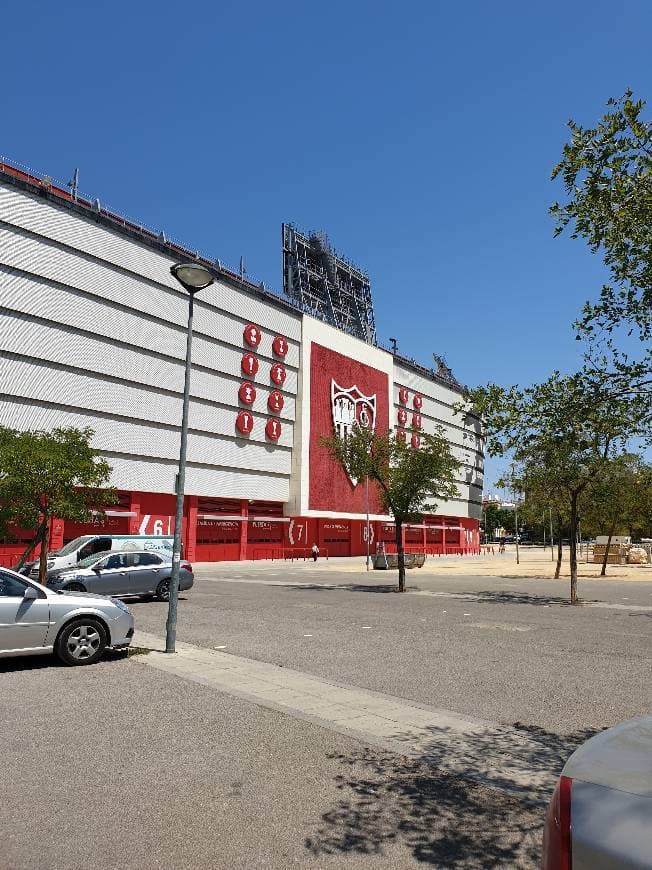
509 759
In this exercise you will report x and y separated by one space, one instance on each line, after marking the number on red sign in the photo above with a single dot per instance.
278 374
252 335
244 422
402 416
275 401
273 430
418 401
280 346
249 364
416 421
416 441
403 396
400 436
247 393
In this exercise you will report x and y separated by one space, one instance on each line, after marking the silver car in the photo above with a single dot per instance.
600 816
76 627
143 572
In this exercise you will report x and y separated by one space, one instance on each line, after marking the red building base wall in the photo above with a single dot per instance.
216 530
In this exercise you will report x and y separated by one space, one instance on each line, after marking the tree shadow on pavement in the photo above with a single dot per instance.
444 819
501 596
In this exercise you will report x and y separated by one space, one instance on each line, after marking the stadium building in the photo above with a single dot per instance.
93 332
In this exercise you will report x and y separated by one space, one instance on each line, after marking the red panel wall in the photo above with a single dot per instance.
330 488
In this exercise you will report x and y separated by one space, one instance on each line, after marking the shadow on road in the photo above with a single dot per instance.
43 662
444 819
501 596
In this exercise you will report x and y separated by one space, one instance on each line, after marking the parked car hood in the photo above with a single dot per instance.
619 758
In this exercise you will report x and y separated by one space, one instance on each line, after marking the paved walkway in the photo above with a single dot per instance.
510 759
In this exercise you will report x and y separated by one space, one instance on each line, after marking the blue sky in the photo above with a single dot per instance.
419 135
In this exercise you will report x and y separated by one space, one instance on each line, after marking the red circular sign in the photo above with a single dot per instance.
417 401
416 421
278 374
280 346
402 416
403 396
273 429
251 335
275 401
247 393
249 364
400 436
416 441
244 422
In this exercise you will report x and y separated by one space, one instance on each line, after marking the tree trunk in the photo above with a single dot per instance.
573 548
400 553
36 540
603 570
43 559
559 549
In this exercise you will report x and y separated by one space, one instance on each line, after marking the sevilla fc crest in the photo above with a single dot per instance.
351 408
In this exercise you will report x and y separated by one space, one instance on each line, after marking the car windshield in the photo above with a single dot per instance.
71 546
91 560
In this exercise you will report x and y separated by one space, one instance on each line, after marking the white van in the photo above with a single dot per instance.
79 548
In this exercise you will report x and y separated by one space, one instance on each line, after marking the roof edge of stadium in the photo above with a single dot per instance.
42 186
27 179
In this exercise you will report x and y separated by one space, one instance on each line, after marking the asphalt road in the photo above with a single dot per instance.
505 650
119 765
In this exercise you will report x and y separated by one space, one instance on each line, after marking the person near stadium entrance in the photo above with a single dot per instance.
315 552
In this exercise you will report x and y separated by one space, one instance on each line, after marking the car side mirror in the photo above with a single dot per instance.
97 570
30 594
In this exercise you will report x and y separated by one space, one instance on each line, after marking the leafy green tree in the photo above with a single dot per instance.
543 497
47 474
618 499
407 478
564 431
607 176
497 517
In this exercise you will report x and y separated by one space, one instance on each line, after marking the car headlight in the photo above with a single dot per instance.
50 564
120 605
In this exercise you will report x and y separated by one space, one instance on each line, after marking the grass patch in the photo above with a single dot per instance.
137 651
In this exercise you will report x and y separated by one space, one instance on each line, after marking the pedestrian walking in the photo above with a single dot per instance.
315 552
501 547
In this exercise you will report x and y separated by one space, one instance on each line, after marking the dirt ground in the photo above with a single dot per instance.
534 562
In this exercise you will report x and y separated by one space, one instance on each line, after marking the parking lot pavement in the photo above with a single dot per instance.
504 650
121 765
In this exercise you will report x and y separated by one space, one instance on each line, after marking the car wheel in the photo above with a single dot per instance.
75 587
163 590
81 642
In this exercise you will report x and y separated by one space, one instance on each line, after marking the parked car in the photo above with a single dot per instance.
139 573
77 628
600 815
81 548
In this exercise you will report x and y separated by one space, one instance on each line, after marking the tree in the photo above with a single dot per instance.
44 475
563 432
406 477
618 500
543 495
496 517
607 175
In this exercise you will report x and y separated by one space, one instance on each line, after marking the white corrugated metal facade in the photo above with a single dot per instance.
92 332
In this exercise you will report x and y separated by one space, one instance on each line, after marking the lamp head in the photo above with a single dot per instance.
192 276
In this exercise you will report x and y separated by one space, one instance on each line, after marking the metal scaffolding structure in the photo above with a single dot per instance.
326 285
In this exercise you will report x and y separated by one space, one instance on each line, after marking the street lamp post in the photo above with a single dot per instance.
192 277
367 506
